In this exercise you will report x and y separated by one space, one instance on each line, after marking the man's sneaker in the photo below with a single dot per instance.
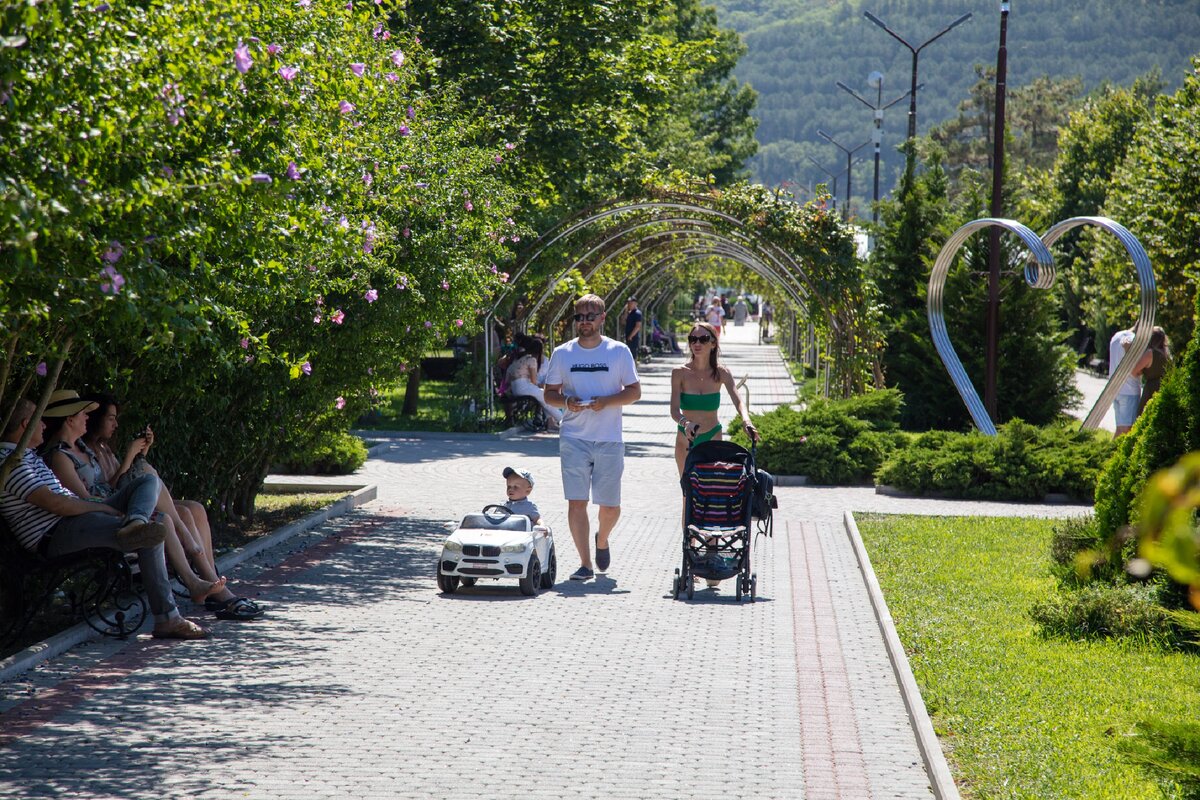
603 556
138 534
582 574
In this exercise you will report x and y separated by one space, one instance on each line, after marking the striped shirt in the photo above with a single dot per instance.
28 522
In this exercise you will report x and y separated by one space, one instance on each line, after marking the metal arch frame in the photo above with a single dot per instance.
799 291
736 252
1040 273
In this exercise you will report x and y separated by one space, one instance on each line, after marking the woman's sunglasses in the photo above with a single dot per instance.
591 316
703 338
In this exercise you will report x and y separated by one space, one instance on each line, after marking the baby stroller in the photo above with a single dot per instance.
723 493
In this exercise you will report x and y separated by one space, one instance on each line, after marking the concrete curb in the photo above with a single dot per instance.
64 640
936 768
1051 498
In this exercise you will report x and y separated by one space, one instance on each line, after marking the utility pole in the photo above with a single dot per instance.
875 81
992 351
849 164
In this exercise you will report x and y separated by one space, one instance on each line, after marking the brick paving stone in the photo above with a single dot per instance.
364 681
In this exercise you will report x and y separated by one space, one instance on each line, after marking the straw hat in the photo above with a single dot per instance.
65 402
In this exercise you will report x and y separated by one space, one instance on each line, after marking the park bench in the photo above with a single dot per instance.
94 585
519 409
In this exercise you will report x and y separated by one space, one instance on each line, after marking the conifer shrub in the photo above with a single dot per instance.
834 442
1022 462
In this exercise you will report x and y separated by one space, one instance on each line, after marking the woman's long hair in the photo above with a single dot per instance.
712 355
95 419
532 346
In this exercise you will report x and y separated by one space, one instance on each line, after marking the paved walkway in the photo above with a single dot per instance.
365 682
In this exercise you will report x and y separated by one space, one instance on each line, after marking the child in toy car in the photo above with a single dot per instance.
502 541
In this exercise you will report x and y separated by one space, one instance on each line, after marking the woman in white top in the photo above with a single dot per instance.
523 375
714 315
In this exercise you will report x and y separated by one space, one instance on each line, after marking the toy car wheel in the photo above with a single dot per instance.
533 577
469 581
447 583
551 571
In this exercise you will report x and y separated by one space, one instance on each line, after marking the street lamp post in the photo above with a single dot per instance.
849 164
875 81
833 177
916 51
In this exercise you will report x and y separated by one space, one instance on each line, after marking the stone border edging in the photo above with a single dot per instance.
1050 498
936 767
81 632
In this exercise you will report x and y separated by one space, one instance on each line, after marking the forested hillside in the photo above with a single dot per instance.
798 49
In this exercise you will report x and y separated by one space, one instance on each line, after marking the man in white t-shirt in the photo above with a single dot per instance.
1125 404
592 377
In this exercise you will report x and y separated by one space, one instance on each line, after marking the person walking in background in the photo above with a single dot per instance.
592 377
1125 405
740 311
633 325
715 315
1152 366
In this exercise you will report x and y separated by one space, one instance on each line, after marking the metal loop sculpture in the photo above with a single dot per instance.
1040 274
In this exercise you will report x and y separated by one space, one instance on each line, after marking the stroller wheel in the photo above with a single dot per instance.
738 592
675 584
691 588
753 587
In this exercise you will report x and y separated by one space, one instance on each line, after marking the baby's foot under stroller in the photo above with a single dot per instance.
719 484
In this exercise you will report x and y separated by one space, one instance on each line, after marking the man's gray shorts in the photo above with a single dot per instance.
592 465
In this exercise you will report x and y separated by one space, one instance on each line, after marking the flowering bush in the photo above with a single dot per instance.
238 222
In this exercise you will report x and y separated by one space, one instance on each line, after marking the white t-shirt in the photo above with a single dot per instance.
585 373
714 315
1116 351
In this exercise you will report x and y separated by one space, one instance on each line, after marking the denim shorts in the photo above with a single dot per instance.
594 466
1125 408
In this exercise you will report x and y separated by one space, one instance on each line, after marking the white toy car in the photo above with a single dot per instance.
497 543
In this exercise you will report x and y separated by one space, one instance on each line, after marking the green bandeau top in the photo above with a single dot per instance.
699 402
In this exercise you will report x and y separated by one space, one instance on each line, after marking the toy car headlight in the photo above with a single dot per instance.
513 548
452 546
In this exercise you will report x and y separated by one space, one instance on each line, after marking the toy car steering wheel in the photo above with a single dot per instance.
496 513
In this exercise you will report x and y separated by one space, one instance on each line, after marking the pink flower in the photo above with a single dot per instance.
458 322
272 49
114 283
406 233
398 58
446 285
391 76
504 277
317 319
245 343
499 159
304 3
367 179
509 145
260 177
358 68
241 58
339 403
411 113
41 368
403 130
428 324
371 296
293 172
338 317
306 368
114 252
346 107
287 73
469 206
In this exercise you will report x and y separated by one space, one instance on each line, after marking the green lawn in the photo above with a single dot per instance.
437 410
1019 716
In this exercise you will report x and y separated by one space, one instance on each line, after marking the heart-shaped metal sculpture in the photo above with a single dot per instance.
1040 274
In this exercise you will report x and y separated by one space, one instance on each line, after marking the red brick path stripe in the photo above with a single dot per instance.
834 768
26 717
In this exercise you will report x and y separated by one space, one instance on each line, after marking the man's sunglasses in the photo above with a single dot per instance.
703 338
591 316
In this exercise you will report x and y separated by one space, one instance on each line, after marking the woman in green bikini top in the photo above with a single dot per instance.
696 394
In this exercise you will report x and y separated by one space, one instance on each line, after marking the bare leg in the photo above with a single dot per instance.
608 520
198 587
194 513
681 449
577 518
187 537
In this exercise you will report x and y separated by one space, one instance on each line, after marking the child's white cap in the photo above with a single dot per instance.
520 473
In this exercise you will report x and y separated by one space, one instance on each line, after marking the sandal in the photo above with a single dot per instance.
179 628
235 608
